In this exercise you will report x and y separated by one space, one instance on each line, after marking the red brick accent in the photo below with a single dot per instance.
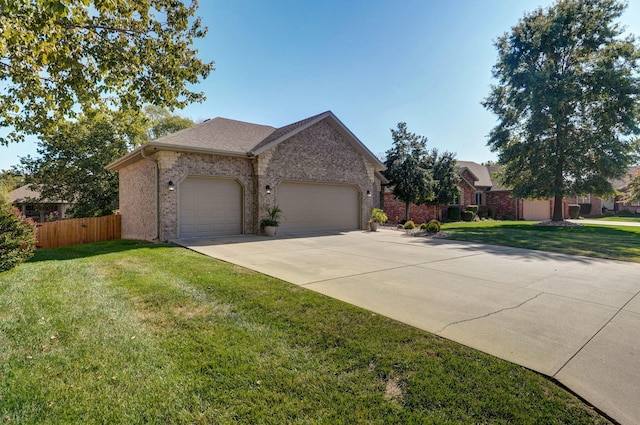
502 204
418 213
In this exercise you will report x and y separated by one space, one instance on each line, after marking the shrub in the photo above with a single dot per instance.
483 214
409 225
17 237
453 213
574 211
378 216
467 215
507 217
433 226
585 209
472 208
423 226
491 213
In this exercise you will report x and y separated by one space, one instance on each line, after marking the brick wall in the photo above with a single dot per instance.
395 210
502 204
138 200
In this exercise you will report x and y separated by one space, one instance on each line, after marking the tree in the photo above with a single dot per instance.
566 100
633 194
72 160
163 122
61 58
409 167
445 180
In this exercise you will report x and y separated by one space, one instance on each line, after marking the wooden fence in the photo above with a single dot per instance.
78 230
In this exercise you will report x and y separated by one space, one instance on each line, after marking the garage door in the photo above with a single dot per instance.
536 210
209 207
314 207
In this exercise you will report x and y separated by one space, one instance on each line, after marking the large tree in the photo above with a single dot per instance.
163 122
445 180
72 160
409 167
567 101
59 58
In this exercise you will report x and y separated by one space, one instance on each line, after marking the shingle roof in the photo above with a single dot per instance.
283 131
221 134
479 170
25 194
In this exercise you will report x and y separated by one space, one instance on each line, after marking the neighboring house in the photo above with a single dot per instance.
31 206
479 186
622 185
218 177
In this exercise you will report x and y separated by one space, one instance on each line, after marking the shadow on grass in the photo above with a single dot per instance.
546 242
92 249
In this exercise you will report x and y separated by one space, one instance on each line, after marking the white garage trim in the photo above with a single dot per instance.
536 209
318 206
209 207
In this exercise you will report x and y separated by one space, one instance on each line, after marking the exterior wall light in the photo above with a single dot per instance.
368 194
171 186
268 189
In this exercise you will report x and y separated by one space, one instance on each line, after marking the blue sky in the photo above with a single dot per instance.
373 63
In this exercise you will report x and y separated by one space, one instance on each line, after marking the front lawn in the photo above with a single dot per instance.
126 332
617 218
606 241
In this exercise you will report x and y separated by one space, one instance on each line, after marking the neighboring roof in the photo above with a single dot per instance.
223 136
478 170
24 194
623 183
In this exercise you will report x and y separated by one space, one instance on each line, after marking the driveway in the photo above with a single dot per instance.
575 319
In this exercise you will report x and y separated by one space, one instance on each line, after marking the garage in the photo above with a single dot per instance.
209 207
536 209
316 207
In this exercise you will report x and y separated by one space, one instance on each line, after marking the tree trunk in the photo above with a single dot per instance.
406 211
558 210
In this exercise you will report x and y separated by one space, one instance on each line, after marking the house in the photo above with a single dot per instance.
622 185
479 186
31 206
218 178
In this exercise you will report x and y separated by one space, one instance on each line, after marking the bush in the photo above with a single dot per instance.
409 225
468 215
585 209
423 226
574 211
507 217
491 213
17 237
472 208
433 226
453 213
483 214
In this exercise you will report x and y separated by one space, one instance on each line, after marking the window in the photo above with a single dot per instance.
583 199
480 198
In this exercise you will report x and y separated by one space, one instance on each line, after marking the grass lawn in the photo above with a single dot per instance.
606 241
617 218
125 332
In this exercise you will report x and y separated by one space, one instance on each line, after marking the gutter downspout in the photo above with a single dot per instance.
145 156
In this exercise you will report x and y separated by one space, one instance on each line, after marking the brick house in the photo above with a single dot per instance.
479 186
30 203
219 177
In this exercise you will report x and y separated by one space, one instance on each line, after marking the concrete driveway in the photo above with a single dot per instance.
576 319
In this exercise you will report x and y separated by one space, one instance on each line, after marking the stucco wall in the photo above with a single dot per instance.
178 166
138 201
318 154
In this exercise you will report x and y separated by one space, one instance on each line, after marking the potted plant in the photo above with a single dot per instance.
270 223
377 217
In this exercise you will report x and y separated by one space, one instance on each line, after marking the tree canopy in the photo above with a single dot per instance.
61 58
445 179
409 167
163 122
567 101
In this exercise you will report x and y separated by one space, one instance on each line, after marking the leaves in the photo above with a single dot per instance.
566 100
60 58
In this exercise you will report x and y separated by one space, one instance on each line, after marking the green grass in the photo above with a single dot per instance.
128 332
617 218
606 241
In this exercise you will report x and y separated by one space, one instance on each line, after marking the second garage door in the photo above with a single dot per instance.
209 207
314 207
536 210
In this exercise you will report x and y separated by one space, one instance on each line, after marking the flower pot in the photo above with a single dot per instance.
373 226
269 230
